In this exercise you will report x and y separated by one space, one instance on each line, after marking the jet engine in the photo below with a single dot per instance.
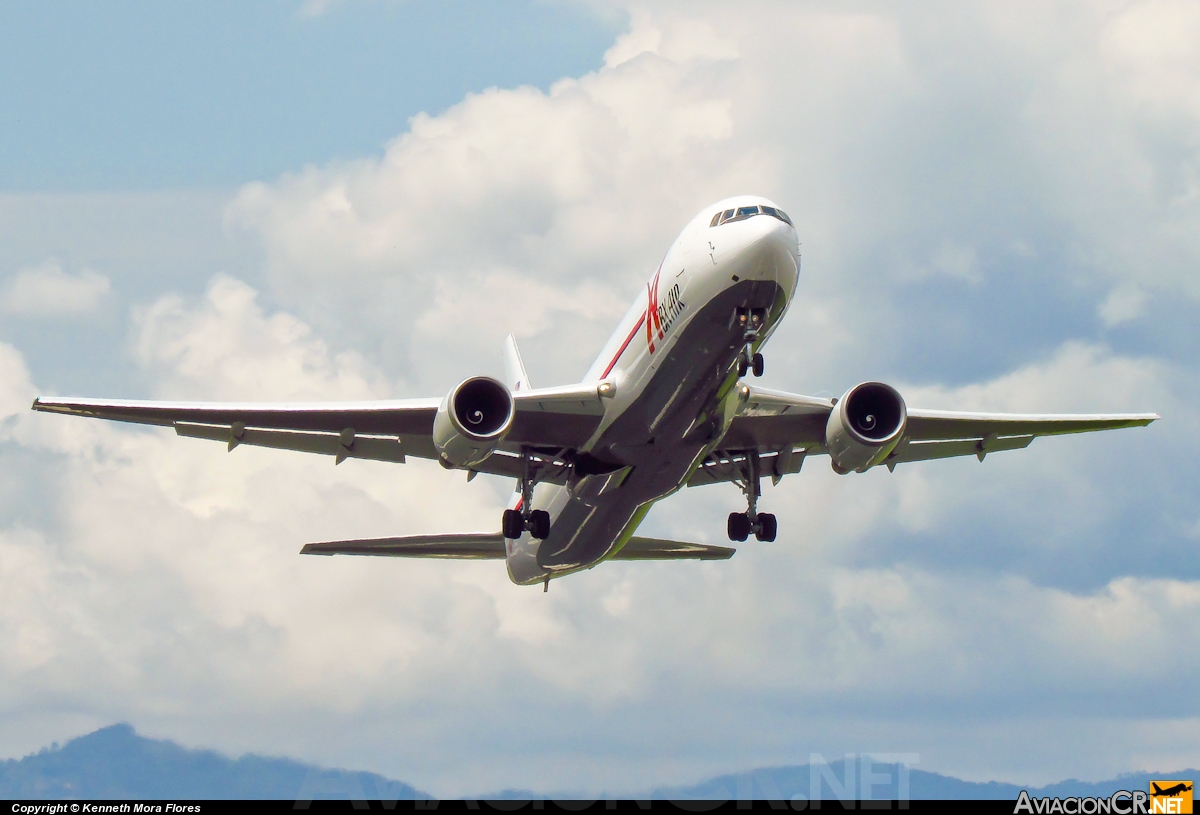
472 421
864 426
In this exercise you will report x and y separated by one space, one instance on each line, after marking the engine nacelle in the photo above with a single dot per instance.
472 421
864 426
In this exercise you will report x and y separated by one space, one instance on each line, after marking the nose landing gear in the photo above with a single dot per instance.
741 525
751 321
515 522
750 362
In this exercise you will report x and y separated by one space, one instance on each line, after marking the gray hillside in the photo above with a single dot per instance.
785 783
115 762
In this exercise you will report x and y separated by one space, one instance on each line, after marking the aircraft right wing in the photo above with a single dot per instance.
560 419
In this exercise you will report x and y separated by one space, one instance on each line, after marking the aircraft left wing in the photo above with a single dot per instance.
783 428
486 546
561 419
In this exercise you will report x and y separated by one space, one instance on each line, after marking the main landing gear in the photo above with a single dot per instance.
763 525
751 321
516 522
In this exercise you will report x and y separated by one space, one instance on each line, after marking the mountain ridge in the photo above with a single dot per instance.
115 762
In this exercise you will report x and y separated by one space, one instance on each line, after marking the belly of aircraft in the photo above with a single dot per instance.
659 437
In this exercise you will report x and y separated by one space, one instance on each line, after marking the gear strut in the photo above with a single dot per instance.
741 524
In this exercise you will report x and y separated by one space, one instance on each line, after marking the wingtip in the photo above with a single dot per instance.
37 400
313 549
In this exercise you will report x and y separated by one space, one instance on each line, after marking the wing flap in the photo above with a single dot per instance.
930 450
395 449
346 444
722 466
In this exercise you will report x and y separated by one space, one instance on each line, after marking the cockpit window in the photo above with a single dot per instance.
777 213
742 213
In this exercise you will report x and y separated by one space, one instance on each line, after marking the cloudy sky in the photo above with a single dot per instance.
999 206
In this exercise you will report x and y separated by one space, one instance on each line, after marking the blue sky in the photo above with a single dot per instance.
139 96
998 206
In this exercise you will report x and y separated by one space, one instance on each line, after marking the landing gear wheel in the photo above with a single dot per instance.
767 527
738 526
512 525
742 367
757 364
539 519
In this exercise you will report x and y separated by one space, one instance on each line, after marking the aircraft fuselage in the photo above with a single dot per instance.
674 365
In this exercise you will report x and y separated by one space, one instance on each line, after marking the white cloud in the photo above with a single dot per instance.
950 259
47 290
316 8
228 349
586 182
1123 305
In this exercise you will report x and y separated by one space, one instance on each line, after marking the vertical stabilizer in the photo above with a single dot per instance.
514 368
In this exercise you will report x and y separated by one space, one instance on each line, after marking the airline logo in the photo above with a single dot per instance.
1171 797
660 316
1166 797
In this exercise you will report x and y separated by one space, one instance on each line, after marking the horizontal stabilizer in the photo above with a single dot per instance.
487 546
657 549
477 546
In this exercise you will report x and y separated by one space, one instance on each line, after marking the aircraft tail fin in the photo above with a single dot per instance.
514 368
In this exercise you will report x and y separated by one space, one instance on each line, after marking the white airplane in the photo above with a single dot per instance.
662 407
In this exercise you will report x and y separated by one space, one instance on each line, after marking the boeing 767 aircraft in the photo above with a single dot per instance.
664 406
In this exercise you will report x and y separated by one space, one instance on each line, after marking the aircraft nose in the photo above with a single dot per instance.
771 250
779 236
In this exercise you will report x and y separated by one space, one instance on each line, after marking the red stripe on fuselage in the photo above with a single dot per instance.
624 345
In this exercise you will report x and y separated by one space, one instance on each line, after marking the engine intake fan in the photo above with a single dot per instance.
472 421
864 426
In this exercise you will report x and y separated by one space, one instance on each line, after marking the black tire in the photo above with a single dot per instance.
512 525
758 365
742 367
738 526
541 523
767 527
